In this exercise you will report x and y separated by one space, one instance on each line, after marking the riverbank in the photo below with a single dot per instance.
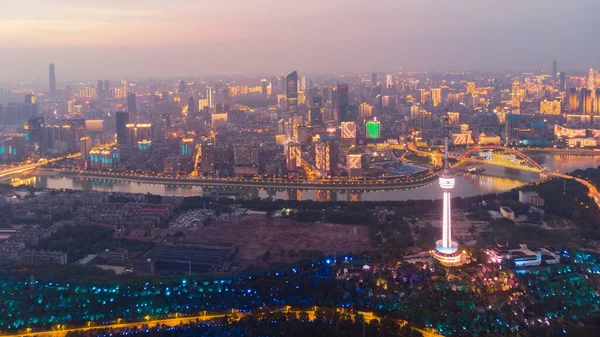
246 183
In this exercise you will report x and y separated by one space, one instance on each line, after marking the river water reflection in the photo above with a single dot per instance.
494 180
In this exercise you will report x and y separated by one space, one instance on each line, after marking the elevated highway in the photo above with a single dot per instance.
31 166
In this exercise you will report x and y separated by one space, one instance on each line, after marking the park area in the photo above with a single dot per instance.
261 240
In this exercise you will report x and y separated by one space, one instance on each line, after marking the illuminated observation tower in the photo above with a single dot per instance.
446 250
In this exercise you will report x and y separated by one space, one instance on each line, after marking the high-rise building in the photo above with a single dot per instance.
470 88
586 101
35 130
554 71
342 113
511 129
291 91
563 81
293 156
122 119
85 146
348 130
388 81
365 111
188 147
52 78
373 129
192 110
436 96
264 86
100 90
29 99
550 107
597 102
454 118
374 79
446 250
123 88
210 96
573 100
131 103
315 115
181 87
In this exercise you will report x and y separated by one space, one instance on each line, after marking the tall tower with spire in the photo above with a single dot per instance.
446 250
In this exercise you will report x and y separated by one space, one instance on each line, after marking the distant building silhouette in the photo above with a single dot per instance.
291 90
122 119
52 78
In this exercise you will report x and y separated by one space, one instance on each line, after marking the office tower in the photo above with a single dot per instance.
35 130
302 83
511 129
210 97
446 250
29 99
207 156
264 86
373 129
123 88
436 96
122 119
563 82
554 71
131 104
192 110
388 81
342 112
291 91
591 82
293 156
100 90
52 78
573 100
181 87
415 113
597 102
348 130
586 101
226 99
325 154
365 111
374 79
315 115
85 146
188 147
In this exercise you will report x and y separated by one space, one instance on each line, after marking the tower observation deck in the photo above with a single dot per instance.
446 250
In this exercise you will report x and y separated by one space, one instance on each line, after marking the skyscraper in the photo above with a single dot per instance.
563 82
291 91
586 101
35 130
374 79
181 87
573 100
511 129
122 119
446 250
131 104
52 79
597 102
191 108
100 90
554 71
342 113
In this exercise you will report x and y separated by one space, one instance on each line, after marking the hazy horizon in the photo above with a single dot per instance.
149 38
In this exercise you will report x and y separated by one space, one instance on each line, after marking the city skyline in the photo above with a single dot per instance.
156 40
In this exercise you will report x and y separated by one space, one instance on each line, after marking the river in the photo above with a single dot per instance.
494 180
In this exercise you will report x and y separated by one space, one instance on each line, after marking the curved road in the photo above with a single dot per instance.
62 332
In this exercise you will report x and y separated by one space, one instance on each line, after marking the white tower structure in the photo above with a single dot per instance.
446 250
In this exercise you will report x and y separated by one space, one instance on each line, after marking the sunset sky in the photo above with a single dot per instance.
140 38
